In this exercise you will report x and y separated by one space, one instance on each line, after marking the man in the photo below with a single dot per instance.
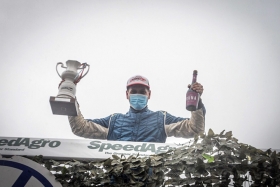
140 124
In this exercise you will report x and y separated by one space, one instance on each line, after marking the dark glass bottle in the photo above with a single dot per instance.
192 97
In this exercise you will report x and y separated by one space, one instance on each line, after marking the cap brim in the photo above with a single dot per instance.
135 83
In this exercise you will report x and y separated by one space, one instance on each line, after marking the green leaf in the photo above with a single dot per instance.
108 162
221 133
115 157
64 171
115 162
48 165
228 134
209 158
195 138
210 133
156 163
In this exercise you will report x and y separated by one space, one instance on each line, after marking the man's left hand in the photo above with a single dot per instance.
197 87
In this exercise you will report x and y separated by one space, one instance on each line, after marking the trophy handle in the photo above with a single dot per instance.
80 74
62 65
84 66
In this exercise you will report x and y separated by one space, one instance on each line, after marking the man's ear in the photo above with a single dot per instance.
149 94
126 94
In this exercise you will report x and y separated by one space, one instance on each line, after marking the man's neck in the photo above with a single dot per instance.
138 111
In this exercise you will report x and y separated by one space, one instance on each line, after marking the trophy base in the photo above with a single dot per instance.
63 106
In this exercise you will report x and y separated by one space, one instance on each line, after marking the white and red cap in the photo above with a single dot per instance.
138 79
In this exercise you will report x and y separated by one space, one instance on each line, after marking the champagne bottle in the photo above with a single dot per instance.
192 97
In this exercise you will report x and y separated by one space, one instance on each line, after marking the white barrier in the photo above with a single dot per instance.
77 148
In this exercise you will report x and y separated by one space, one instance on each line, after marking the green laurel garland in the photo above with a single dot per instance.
211 160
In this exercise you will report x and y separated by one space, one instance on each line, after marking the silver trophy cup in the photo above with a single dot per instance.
65 103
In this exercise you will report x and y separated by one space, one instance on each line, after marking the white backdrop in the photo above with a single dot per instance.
234 45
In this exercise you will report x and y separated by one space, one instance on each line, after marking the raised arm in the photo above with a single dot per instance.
187 128
88 128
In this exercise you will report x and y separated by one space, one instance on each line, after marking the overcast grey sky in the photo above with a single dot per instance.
234 45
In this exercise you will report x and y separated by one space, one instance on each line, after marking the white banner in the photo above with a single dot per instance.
87 149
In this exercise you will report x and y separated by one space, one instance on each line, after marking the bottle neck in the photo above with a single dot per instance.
194 78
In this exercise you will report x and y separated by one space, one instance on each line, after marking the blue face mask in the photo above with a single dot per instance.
138 101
